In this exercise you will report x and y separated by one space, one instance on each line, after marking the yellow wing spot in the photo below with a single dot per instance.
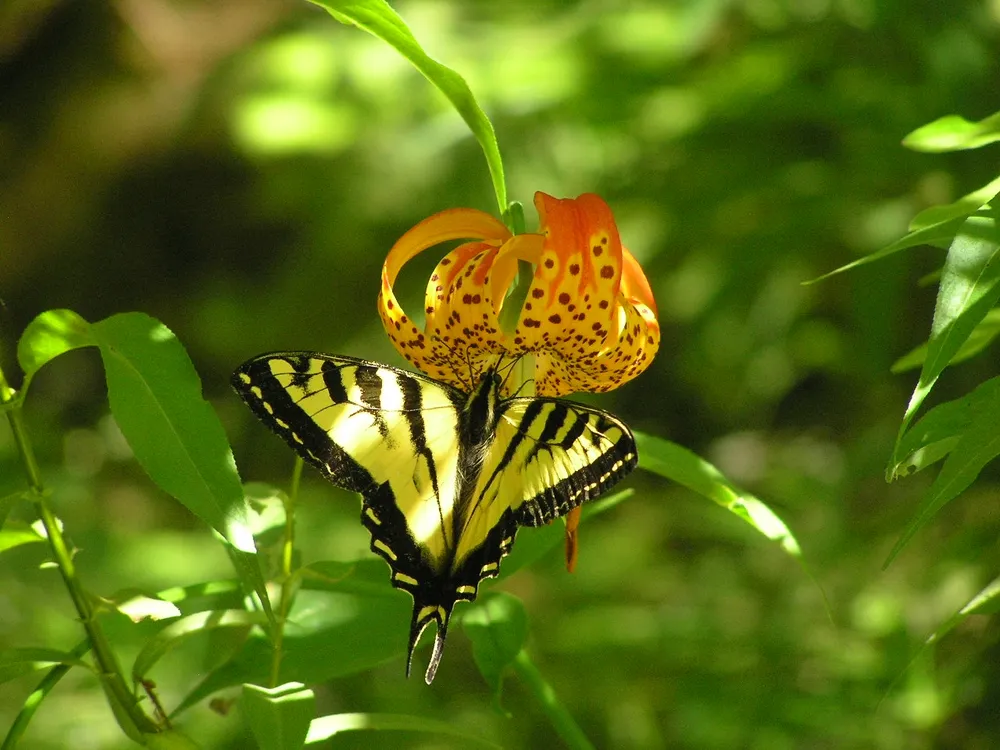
256 391
371 514
380 545
267 407
470 590
281 423
245 378
403 578
297 439
489 568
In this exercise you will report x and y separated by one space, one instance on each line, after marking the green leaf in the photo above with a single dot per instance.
345 619
380 20
498 629
326 727
137 606
954 133
937 235
970 286
155 396
960 209
279 717
982 336
40 693
46 337
978 445
17 533
938 432
684 467
15 662
170 740
174 633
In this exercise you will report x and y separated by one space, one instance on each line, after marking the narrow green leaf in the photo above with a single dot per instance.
938 235
38 696
326 727
15 662
46 337
684 467
498 629
155 395
965 206
981 337
380 20
938 432
17 533
137 606
279 717
979 444
174 633
954 133
970 287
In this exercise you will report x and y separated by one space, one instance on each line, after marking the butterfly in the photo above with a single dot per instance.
446 477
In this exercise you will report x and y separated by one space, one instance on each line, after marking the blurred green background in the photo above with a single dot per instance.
239 168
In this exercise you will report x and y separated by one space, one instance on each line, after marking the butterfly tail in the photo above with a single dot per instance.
422 617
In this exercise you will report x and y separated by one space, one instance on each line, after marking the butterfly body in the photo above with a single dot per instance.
446 477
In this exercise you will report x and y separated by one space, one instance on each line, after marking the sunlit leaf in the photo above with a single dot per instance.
684 467
137 606
938 432
981 337
978 445
960 209
174 633
498 629
970 286
46 337
155 396
954 133
279 717
380 20
326 727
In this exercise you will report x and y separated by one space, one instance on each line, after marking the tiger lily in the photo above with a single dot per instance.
588 319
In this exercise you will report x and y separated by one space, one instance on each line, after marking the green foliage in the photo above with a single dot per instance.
743 152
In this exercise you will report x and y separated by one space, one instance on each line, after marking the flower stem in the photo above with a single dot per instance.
124 704
287 560
561 719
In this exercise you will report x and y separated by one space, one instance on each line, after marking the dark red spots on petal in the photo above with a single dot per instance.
445 261
476 299
549 263
555 319
574 269
527 305
597 250
564 299
529 323
537 293
603 304
596 327
430 310
467 299
389 304
607 272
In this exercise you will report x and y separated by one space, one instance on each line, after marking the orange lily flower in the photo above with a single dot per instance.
589 318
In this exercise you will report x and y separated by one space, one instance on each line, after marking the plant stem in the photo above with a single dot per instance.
130 717
287 560
561 719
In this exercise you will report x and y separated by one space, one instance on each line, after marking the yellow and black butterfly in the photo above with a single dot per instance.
446 477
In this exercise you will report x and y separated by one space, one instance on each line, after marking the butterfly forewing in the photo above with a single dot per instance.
364 425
